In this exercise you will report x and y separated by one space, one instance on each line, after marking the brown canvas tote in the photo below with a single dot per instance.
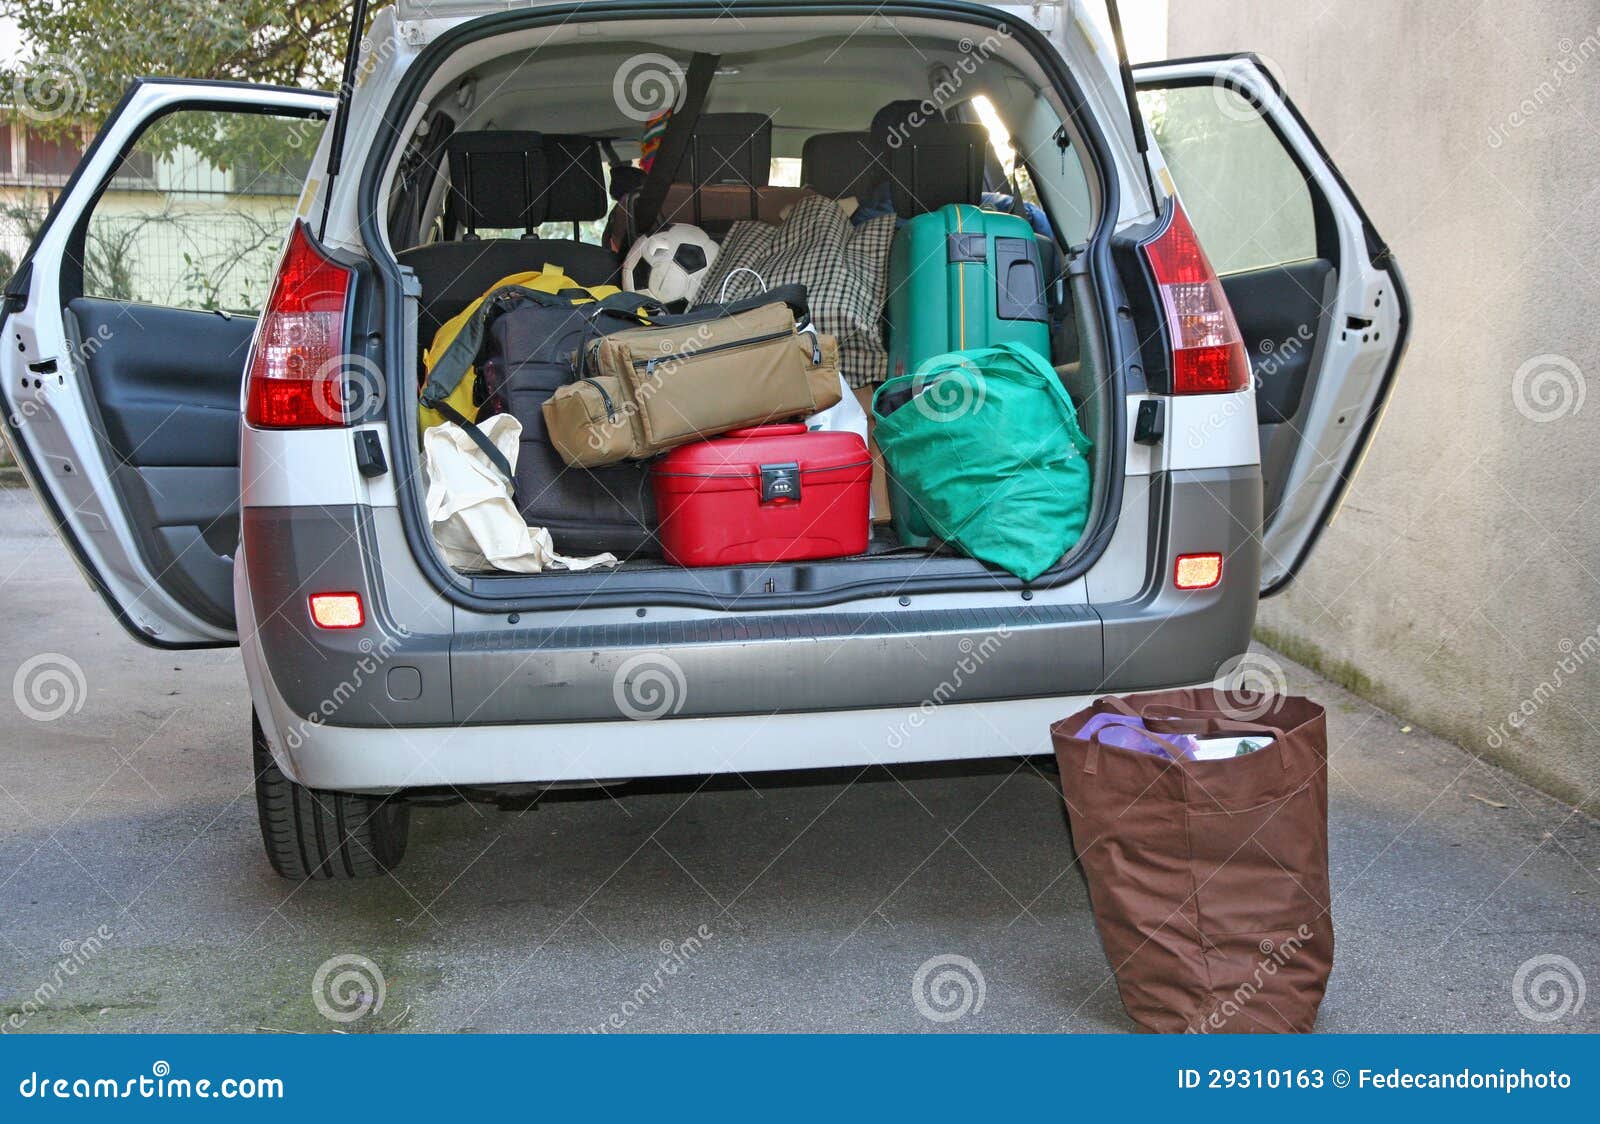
1209 879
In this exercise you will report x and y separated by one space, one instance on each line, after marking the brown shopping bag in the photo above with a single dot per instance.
1209 879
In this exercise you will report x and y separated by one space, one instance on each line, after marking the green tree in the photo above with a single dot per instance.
80 55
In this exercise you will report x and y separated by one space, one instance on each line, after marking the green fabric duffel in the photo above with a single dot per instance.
984 445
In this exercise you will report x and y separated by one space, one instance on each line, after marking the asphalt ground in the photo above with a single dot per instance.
797 902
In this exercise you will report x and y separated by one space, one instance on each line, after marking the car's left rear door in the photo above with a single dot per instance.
127 328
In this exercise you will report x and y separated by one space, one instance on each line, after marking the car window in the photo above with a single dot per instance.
1246 197
196 213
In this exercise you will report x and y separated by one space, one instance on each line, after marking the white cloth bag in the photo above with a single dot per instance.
845 417
474 520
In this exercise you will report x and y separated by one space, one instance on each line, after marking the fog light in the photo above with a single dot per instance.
336 610
1197 571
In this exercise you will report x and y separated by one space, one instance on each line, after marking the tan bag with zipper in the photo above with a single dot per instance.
649 389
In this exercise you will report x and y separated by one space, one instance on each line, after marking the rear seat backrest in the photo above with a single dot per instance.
842 164
504 179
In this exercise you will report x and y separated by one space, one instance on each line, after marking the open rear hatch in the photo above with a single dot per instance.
904 117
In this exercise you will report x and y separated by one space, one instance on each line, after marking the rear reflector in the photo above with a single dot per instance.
297 367
1197 571
336 610
1208 355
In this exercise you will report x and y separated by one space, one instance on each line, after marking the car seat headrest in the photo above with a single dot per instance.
498 179
941 162
576 186
841 164
728 148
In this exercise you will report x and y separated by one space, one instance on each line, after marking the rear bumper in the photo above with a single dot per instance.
373 760
479 700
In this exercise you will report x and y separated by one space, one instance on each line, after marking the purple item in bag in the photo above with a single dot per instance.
1128 732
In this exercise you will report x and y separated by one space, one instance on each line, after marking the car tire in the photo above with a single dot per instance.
317 833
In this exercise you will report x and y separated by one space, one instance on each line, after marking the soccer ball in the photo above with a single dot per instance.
670 266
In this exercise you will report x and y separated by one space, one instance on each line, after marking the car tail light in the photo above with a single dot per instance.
1197 571
1208 355
296 369
336 610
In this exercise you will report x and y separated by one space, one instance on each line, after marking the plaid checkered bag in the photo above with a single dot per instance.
845 270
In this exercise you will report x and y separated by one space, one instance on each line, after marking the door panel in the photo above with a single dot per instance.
1280 310
166 406
121 376
1319 300
170 420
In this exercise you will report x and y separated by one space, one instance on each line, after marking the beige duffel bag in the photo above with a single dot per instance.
649 389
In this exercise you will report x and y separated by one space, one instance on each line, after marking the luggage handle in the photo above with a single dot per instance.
778 429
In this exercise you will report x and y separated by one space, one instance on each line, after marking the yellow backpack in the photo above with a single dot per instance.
547 279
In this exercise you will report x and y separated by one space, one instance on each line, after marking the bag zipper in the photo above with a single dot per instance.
649 364
611 409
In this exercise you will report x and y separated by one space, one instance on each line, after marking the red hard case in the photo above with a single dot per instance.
774 493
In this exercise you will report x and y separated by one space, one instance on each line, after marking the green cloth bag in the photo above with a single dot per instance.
986 446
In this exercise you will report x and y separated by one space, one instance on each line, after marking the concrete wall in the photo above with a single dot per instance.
1460 586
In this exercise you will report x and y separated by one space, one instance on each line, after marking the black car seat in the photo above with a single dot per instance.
515 180
842 164
724 175
940 162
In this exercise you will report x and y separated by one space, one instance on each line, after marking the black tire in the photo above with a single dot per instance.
315 833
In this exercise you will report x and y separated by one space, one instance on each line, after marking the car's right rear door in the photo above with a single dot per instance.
1318 298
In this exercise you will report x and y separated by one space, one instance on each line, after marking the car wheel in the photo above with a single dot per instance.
316 833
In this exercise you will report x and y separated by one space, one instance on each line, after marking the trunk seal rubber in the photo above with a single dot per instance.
408 493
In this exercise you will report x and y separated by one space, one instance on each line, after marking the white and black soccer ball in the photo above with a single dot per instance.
670 265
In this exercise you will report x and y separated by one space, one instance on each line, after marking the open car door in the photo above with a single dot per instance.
127 328
1319 301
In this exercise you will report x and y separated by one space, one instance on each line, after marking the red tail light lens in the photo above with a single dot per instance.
296 369
1208 355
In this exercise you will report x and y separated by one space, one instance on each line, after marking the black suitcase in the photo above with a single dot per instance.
529 353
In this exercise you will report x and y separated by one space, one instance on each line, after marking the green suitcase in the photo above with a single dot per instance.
960 278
